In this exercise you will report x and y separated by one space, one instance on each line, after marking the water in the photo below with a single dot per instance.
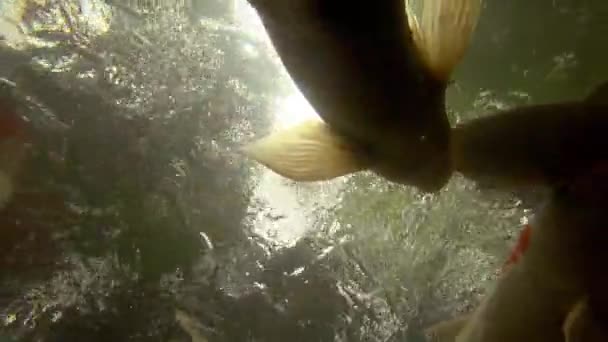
134 217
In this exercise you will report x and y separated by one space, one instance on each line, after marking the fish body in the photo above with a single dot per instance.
538 298
533 295
447 331
376 77
539 145
531 299
553 285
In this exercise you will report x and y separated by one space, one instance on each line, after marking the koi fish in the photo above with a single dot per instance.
376 76
556 289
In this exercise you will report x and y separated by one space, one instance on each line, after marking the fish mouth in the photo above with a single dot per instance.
434 176
428 176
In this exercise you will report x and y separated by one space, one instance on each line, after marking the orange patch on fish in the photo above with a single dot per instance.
520 247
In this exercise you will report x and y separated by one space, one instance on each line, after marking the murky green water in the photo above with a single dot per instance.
135 219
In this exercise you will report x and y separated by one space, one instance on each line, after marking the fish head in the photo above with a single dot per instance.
413 155
427 175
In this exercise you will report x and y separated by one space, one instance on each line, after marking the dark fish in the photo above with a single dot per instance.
377 78
538 145
555 280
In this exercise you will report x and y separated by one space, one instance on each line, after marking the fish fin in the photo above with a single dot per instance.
573 318
599 95
310 151
447 330
578 323
444 32
581 325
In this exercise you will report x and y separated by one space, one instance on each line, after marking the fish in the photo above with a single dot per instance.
543 145
559 146
528 303
13 141
376 75
552 285
563 264
448 330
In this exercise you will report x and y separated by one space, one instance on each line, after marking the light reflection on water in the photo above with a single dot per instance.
278 196
286 216
92 16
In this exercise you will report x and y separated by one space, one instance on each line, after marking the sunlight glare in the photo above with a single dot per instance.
289 110
279 196
247 17
292 110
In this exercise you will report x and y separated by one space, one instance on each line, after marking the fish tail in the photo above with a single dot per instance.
443 33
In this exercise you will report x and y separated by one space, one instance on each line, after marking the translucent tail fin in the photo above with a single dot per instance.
444 32
307 152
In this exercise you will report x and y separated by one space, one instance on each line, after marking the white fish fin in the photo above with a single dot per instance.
444 32
447 330
309 151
